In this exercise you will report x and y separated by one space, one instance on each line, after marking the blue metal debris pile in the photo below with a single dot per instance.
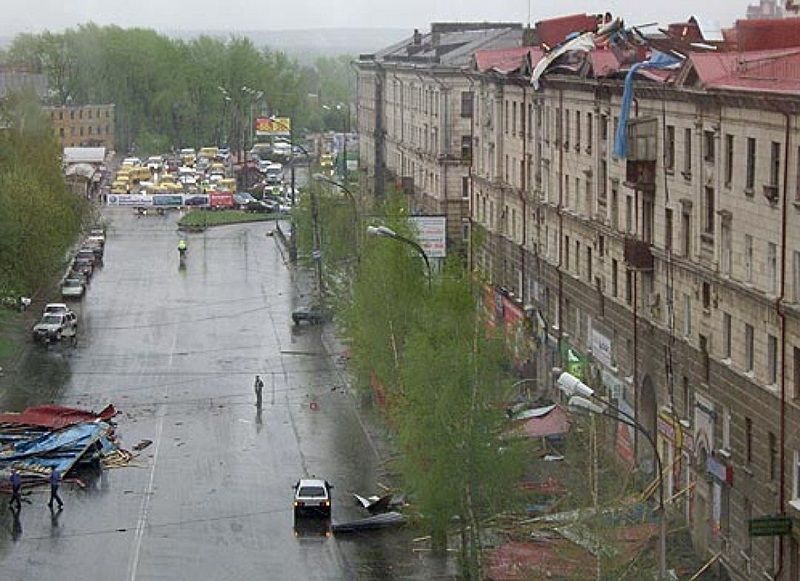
43 438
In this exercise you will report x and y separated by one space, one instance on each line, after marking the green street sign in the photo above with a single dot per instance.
769 526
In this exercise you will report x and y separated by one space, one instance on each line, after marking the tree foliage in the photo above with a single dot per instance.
39 218
170 88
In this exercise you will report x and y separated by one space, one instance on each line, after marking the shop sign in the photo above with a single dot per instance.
770 526
601 347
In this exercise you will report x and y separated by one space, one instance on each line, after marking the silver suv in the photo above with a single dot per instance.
54 326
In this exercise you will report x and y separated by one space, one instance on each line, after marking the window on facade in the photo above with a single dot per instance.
603 128
796 353
726 428
466 147
467 98
668 229
726 335
514 118
775 164
577 258
589 198
566 191
628 214
708 146
708 223
748 258
629 274
797 178
61 132
505 118
773 455
728 160
669 148
688 399
522 120
566 253
589 263
706 295
686 232
772 267
705 358
687 153
749 347
577 130
751 164
796 276
614 279
687 315
465 187
772 359
602 182
796 475
748 440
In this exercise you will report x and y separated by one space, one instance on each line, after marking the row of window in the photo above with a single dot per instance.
89 130
79 113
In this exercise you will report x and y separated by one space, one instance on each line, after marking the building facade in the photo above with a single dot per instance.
83 125
672 271
415 117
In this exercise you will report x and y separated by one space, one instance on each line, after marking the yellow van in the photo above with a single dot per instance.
208 152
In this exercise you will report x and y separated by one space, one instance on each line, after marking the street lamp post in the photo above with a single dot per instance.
582 397
350 196
384 232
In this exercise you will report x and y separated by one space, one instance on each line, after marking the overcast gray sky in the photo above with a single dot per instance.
36 15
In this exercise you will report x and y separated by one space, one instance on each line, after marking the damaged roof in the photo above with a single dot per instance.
768 71
506 60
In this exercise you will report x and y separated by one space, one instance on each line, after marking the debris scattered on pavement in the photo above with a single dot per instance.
142 445
44 438
378 521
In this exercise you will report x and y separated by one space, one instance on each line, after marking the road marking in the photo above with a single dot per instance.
148 493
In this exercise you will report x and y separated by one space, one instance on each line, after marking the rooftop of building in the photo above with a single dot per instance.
449 44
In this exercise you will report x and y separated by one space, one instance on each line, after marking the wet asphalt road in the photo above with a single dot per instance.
177 351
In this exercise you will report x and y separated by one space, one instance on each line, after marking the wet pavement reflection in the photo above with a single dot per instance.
176 350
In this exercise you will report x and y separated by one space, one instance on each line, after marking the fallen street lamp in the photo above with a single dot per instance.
384 232
583 398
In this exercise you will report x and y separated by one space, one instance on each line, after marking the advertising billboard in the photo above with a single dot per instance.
273 126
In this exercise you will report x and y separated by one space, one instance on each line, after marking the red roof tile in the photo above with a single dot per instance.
604 62
770 71
505 60
553 31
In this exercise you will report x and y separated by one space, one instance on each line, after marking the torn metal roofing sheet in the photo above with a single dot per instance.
554 31
55 416
506 60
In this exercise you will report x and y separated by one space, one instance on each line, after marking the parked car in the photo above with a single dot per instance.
312 314
83 265
55 326
93 252
312 497
242 199
155 163
55 308
260 207
72 288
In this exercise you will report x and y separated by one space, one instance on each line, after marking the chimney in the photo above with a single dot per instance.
417 37
435 38
529 37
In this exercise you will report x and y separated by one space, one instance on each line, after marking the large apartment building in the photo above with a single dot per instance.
414 116
671 270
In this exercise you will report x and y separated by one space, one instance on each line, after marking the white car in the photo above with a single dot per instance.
312 497
131 162
55 308
72 288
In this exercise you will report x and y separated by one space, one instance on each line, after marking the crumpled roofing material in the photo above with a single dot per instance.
56 416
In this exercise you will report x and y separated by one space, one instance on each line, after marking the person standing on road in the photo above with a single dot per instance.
259 387
55 482
16 487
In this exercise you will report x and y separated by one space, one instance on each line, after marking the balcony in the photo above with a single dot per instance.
638 254
640 175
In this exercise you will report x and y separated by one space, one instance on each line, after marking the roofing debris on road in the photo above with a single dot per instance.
50 437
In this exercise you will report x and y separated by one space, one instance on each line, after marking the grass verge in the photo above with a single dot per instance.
8 346
204 218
